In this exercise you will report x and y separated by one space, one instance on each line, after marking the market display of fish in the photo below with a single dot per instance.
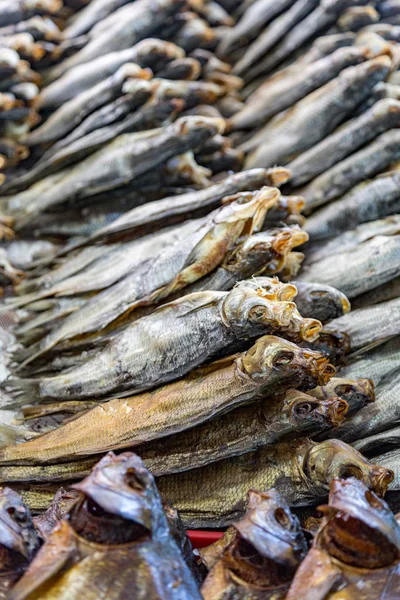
200 265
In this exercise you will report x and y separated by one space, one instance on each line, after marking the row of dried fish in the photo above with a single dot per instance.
112 526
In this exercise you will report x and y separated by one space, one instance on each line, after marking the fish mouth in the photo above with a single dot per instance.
335 410
310 329
278 176
380 479
346 305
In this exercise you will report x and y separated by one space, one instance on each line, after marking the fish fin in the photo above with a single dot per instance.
8 435
26 390
370 346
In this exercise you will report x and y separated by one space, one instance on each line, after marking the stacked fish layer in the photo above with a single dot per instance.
195 194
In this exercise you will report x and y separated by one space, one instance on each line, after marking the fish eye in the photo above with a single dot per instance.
282 518
93 508
303 408
257 312
19 516
133 480
350 471
373 500
283 357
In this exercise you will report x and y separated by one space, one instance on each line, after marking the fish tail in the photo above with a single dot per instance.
25 391
8 435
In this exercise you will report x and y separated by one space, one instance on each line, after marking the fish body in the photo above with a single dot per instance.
358 270
271 365
355 552
307 122
300 470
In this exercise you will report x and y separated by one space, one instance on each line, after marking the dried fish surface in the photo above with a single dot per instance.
63 502
184 262
376 417
294 414
374 444
18 539
271 365
383 115
360 269
368 327
273 33
263 553
388 291
301 470
149 53
376 363
366 202
215 319
361 165
155 213
315 116
280 93
119 162
117 529
355 552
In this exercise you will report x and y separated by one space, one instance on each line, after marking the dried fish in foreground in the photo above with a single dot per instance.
263 553
18 539
271 366
355 553
301 470
116 541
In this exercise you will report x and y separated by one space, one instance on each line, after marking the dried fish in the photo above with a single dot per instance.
307 122
319 301
376 363
271 365
385 292
184 204
358 270
356 392
301 470
149 53
119 162
356 548
383 115
184 262
367 162
116 529
280 93
376 417
18 539
250 24
62 504
130 24
368 327
263 553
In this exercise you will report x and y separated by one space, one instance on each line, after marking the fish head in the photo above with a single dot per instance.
246 309
273 530
320 298
271 354
277 176
186 125
356 392
254 254
334 344
335 459
118 499
249 207
293 204
359 529
17 532
305 411
308 329
270 287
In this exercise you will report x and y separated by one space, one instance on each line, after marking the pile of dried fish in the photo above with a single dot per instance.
192 192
